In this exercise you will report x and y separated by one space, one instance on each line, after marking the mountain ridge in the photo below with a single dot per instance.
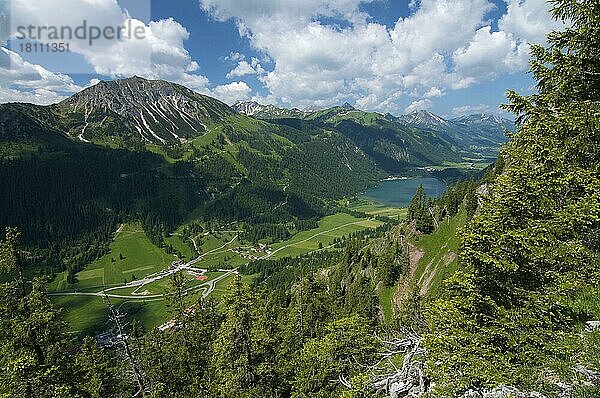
420 138
421 117
253 108
137 113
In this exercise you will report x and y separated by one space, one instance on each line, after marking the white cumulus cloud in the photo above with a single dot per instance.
244 68
419 105
22 81
442 45
232 92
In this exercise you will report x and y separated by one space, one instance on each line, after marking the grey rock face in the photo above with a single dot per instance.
502 391
156 111
252 108
591 326
425 119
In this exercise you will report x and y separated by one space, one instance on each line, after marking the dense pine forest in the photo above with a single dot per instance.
516 314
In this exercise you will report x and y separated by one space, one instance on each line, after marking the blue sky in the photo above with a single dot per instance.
451 57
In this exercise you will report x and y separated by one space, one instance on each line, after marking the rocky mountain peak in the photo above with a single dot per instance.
157 111
424 118
253 108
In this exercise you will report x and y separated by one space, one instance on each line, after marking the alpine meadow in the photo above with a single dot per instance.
300 199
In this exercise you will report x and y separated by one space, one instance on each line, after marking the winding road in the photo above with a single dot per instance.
208 286
310 238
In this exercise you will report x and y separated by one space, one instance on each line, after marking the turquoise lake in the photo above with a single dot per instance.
398 193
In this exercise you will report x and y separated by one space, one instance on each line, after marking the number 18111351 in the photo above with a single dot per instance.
44 47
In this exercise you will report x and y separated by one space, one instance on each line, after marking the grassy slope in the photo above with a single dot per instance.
377 209
141 258
386 296
439 259
178 244
86 313
330 227
433 259
89 314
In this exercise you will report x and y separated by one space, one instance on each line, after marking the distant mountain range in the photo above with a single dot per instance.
424 119
155 111
340 149
251 108
420 119
477 130
418 138
168 119
136 113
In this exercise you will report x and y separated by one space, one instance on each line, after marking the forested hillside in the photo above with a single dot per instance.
491 290
79 168
400 144
152 151
530 262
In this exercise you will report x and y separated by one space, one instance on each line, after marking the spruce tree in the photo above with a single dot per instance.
528 261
